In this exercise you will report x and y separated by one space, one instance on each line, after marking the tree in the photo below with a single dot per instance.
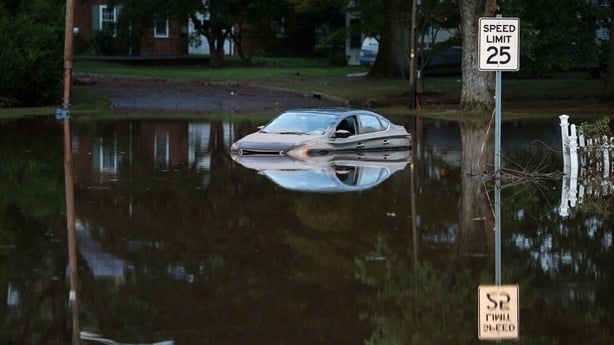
476 92
212 19
386 20
558 40
254 23
437 15
32 46
389 21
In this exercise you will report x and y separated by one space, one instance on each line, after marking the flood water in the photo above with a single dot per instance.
179 244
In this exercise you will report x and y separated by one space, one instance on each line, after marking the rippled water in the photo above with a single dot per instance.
180 244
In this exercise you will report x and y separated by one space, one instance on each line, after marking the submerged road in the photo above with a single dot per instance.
151 95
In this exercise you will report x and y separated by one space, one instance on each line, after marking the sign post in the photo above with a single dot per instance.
498 51
499 44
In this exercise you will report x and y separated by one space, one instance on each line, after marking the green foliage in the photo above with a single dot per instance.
31 54
415 300
31 188
558 40
595 129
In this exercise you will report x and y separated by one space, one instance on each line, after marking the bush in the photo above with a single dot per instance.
31 55
104 42
596 129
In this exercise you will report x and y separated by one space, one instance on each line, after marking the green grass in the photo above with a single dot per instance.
272 70
85 103
19 112
573 93
565 87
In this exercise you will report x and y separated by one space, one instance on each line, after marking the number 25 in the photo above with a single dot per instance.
502 53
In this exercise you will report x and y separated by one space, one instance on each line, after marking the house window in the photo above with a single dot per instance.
161 29
161 150
108 18
355 35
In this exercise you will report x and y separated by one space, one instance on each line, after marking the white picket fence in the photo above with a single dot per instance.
586 165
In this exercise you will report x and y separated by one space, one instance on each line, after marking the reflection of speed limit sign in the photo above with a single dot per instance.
499 44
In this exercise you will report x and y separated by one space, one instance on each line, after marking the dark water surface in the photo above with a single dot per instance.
180 244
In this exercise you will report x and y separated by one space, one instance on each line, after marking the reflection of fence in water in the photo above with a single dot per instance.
586 165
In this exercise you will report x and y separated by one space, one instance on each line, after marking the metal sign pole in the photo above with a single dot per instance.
499 51
498 178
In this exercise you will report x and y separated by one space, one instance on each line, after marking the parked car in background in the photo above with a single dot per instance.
598 71
309 132
368 52
448 57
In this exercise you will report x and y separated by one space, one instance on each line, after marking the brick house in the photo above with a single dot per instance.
166 37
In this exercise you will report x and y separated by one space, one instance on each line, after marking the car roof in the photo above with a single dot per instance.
337 111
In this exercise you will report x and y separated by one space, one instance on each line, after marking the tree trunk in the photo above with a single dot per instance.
216 51
475 236
392 62
476 94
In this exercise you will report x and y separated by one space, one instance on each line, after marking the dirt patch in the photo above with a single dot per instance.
151 95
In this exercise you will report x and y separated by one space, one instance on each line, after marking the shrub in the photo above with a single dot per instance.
31 55
596 129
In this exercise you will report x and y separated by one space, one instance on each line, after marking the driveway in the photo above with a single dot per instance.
150 95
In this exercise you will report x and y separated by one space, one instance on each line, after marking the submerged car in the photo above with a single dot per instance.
302 133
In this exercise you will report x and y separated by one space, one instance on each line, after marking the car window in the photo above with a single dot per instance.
372 175
346 174
369 124
292 122
348 124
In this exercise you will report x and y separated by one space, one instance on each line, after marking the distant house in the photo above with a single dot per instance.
165 37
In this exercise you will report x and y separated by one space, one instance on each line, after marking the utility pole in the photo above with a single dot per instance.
68 51
412 55
73 297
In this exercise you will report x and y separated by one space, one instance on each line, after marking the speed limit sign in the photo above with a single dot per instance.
499 44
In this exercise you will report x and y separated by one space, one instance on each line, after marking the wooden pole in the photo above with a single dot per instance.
68 51
412 56
68 174
72 233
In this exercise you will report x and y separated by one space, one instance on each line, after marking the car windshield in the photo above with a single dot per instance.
300 123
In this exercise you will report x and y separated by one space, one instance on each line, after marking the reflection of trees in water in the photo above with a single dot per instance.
415 304
563 267
475 240
239 237
32 234
418 303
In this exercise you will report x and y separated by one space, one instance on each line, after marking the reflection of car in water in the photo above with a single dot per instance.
328 174
304 133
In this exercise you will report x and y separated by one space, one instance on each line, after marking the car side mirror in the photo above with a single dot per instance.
342 133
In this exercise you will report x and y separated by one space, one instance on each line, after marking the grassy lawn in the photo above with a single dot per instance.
272 69
574 93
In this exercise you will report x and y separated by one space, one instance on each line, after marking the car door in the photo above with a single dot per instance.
371 133
352 142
